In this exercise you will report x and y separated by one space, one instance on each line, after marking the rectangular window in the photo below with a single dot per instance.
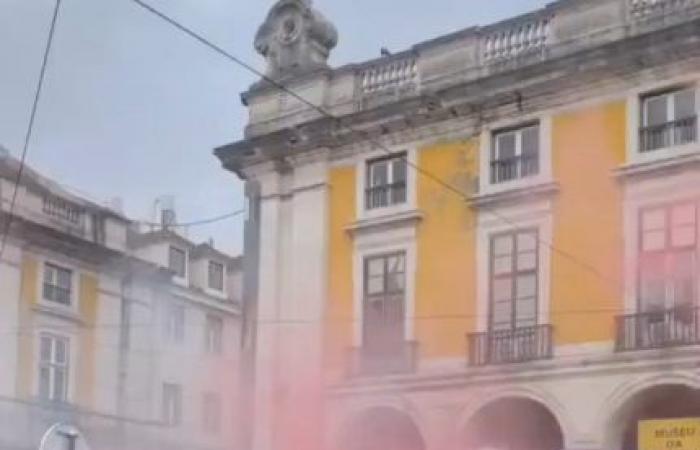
668 119
171 413
58 284
514 280
53 368
515 153
216 276
211 413
386 181
214 335
384 292
175 323
668 257
177 261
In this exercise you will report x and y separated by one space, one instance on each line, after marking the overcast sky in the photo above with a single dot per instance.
133 108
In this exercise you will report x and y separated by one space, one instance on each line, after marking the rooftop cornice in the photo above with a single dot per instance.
529 85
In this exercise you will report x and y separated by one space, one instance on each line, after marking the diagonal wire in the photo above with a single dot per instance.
445 184
30 127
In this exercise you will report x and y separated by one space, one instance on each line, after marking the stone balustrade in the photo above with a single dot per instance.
516 39
640 9
393 74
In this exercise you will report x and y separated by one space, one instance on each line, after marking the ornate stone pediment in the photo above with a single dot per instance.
295 39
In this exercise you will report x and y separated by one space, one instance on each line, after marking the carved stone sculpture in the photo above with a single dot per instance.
295 39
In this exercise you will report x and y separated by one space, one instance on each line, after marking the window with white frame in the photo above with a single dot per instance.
668 257
171 411
514 278
175 323
58 284
386 181
515 153
211 412
668 119
177 261
62 209
53 368
214 335
384 302
216 276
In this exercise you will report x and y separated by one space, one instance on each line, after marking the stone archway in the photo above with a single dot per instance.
382 428
513 423
663 401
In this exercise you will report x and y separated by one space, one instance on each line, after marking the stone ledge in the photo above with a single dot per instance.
658 167
409 217
516 194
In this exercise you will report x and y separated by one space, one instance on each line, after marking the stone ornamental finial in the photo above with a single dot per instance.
295 39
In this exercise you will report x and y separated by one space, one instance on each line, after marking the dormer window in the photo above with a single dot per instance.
177 261
515 153
216 276
386 181
61 209
668 119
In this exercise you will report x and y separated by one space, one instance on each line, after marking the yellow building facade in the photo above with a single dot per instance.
488 241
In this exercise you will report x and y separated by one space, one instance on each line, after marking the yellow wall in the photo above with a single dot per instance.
25 338
340 305
446 268
587 144
88 292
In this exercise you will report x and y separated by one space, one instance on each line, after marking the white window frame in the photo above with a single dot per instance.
486 146
214 335
171 408
212 418
518 132
670 96
397 240
361 169
73 306
183 275
173 335
210 263
531 216
53 366
635 112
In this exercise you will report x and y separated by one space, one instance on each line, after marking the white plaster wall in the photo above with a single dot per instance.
10 285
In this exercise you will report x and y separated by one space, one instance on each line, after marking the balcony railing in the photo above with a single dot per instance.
677 132
508 169
659 329
641 9
398 74
527 37
510 346
368 362
385 195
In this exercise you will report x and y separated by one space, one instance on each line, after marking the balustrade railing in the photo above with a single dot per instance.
659 329
641 9
399 73
510 346
518 39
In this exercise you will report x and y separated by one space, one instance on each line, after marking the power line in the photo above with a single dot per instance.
197 222
445 184
30 127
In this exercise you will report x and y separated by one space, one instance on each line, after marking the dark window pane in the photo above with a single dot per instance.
656 110
684 104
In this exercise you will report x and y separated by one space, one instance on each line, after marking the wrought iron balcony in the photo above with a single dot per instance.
385 195
508 169
659 329
368 362
510 346
677 132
